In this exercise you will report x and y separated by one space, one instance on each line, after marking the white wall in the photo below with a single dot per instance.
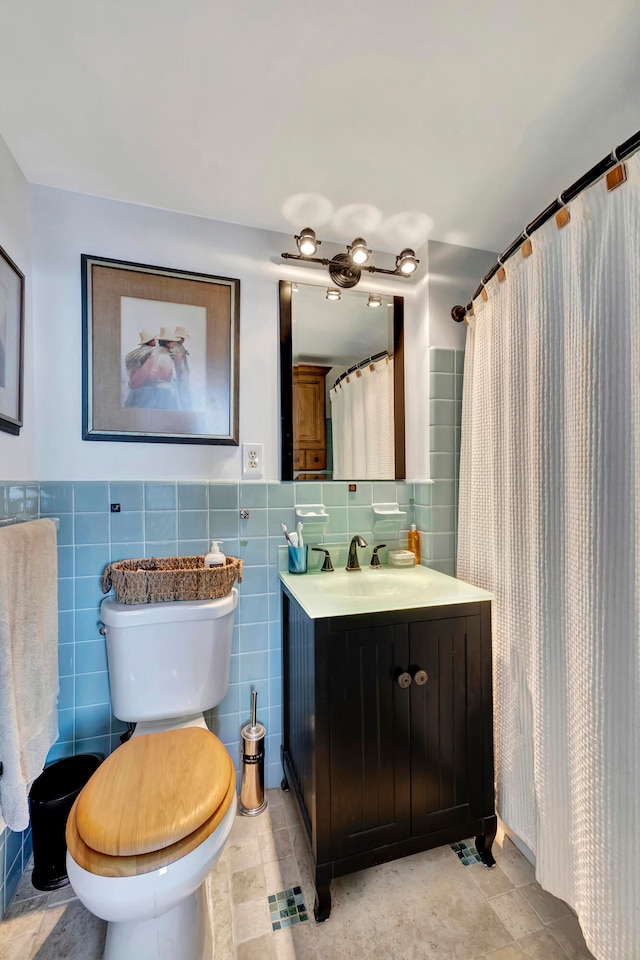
454 275
416 362
65 225
17 452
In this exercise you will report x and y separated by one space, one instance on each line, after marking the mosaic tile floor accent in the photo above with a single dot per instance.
467 852
287 908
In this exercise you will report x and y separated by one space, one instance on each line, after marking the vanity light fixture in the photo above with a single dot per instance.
375 300
345 269
406 263
307 242
333 293
358 251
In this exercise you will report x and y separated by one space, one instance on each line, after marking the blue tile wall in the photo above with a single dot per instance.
169 519
437 503
179 518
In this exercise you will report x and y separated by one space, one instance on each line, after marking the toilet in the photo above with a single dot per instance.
146 830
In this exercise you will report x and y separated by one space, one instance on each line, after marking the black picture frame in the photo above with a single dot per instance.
162 389
11 344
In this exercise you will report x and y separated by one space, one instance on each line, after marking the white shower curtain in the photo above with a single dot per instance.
550 522
362 423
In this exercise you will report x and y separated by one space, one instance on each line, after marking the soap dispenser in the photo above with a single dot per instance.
215 558
414 541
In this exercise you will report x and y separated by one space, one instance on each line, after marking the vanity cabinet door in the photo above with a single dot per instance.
370 739
446 723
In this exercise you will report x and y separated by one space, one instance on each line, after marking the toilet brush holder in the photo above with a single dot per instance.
252 797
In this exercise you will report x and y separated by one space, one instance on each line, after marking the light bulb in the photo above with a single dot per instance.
358 251
307 243
375 300
333 293
406 263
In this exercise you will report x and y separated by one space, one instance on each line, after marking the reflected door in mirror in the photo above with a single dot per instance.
309 417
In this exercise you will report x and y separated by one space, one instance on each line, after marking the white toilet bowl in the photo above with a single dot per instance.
141 846
160 915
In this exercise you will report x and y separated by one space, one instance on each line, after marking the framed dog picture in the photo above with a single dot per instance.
11 344
160 354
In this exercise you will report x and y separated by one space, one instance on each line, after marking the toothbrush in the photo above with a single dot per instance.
300 541
284 529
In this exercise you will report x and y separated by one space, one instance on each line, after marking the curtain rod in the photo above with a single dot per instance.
358 366
458 313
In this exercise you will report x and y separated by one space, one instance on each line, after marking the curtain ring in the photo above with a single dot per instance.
563 215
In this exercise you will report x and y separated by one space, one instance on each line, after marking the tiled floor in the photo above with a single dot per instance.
426 906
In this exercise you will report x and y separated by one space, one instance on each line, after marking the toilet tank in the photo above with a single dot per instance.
169 659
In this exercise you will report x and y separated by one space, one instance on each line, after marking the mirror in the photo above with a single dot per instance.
331 352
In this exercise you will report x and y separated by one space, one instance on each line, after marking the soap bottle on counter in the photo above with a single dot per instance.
414 541
215 558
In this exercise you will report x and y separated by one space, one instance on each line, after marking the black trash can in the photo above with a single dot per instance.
51 797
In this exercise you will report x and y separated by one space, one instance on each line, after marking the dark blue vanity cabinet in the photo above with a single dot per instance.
388 740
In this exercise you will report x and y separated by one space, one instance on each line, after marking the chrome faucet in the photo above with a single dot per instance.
352 561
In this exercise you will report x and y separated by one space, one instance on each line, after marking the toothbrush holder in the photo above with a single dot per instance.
298 559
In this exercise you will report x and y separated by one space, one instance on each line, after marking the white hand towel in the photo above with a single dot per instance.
28 660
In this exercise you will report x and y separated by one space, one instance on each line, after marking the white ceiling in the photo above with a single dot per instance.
457 120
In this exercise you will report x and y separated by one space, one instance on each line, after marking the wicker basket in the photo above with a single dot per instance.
170 578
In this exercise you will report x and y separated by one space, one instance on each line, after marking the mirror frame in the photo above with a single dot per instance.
286 386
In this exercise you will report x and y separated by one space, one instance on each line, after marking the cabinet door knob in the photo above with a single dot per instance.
404 680
420 677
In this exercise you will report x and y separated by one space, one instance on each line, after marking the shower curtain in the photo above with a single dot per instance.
550 522
362 423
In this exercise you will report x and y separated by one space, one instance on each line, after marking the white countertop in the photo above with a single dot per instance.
343 594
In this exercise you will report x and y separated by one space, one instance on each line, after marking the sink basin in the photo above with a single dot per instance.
365 583
342 593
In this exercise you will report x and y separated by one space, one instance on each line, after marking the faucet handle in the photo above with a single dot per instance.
375 559
327 566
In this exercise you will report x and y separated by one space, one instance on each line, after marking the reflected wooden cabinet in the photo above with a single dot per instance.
309 429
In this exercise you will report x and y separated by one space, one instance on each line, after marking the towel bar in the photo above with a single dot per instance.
25 518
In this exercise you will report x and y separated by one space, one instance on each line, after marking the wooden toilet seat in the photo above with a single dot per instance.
156 798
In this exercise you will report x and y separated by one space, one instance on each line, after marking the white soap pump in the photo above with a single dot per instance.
215 558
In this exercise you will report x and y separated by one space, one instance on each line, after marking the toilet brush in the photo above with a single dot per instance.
252 797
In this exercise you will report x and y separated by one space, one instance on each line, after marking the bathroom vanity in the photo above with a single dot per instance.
388 740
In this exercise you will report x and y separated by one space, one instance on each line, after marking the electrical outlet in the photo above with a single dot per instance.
252 455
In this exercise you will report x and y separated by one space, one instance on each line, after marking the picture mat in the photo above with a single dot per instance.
107 286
